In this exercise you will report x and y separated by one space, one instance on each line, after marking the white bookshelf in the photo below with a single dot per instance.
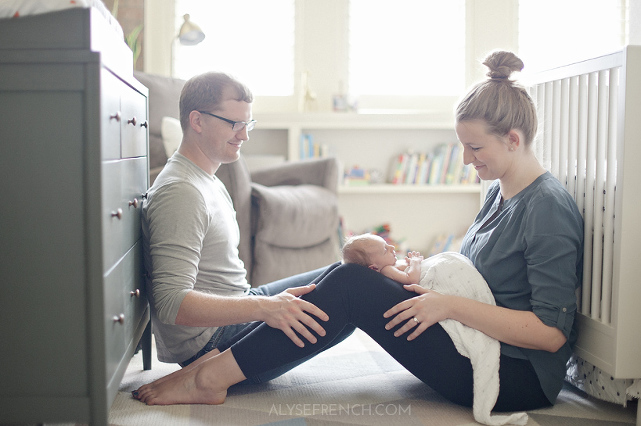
388 188
417 214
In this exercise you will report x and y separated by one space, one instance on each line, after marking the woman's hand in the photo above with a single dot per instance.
418 313
518 328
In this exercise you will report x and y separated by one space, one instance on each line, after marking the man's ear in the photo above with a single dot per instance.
373 267
195 121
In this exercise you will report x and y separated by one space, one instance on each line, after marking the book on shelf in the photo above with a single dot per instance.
424 162
410 176
309 149
447 160
444 165
397 170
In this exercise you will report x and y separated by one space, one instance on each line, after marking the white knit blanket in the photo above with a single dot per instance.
452 273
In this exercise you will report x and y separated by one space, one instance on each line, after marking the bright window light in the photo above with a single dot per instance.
407 47
554 33
253 40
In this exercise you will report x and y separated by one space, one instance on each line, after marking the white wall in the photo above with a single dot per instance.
635 21
159 34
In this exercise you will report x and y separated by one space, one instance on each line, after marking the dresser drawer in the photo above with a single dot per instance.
114 317
133 290
125 304
123 184
134 124
134 186
110 115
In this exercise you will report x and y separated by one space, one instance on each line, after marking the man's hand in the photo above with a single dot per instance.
290 314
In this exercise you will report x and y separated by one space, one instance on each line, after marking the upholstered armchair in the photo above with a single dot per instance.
288 214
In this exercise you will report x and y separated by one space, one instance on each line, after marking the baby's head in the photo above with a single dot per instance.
369 250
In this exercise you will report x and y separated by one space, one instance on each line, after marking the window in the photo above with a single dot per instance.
406 55
407 47
251 39
390 57
554 33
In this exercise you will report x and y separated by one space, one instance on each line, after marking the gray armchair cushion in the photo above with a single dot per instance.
322 172
270 265
298 224
294 216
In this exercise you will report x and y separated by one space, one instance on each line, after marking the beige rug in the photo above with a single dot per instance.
354 383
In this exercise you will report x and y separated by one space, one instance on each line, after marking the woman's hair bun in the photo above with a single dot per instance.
502 64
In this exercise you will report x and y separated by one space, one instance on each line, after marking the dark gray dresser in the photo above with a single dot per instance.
74 168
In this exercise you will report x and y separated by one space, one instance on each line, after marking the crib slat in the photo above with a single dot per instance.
610 188
591 234
548 112
599 189
582 193
556 130
573 135
540 105
573 143
564 133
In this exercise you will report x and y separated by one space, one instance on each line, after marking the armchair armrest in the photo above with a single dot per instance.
321 172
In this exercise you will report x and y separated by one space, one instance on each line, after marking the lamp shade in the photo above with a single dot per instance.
190 34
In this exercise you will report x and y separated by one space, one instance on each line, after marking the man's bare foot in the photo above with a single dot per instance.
205 383
180 372
189 387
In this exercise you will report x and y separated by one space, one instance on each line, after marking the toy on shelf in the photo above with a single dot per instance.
357 176
308 148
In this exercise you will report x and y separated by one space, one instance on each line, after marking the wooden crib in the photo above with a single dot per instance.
590 139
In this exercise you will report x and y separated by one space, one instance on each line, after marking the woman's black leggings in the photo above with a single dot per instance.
355 295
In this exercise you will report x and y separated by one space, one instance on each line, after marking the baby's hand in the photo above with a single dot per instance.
413 256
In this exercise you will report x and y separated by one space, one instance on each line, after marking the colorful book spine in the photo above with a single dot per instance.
444 166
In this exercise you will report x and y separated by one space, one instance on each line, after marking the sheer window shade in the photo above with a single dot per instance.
403 54
407 47
554 32
251 39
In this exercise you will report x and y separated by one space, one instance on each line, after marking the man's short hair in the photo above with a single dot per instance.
205 92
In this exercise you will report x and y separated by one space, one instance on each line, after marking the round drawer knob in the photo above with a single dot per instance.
135 293
120 319
117 213
144 124
132 121
115 116
134 203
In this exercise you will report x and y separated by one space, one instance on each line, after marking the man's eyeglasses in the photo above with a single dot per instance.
236 126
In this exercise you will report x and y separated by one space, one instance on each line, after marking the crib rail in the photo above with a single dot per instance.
590 139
